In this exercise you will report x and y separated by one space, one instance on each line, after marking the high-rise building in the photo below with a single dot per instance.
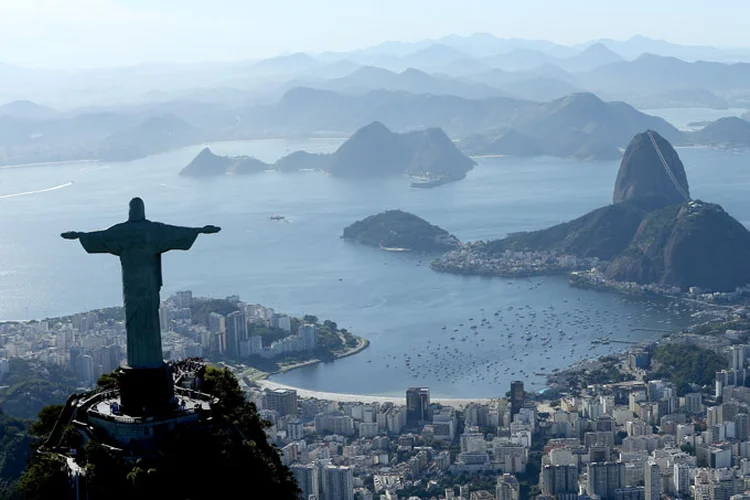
184 299
307 479
507 487
417 406
338 483
517 396
681 479
85 369
736 357
309 337
559 479
165 319
742 426
283 401
604 478
694 402
217 323
652 480
236 326
721 488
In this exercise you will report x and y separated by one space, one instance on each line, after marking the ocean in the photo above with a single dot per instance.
408 312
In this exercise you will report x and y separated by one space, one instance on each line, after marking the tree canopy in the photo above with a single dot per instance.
189 464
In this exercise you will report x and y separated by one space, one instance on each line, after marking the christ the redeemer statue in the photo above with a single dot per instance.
139 243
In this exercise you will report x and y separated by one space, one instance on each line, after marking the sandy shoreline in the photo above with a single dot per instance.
364 398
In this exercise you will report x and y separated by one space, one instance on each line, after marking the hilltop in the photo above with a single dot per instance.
652 234
693 244
643 174
395 229
580 126
373 151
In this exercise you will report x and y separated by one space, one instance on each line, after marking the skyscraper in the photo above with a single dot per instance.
307 479
605 478
559 479
417 406
309 337
338 483
236 325
652 480
517 396
284 401
216 323
184 298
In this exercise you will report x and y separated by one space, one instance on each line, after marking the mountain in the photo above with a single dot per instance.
395 229
639 45
578 126
373 151
728 131
208 164
519 59
692 244
485 45
650 235
459 68
508 143
287 64
305 110
410 80
642 171
602 233
27 110
154 134
337 69
651 74
592 57
541 89
675 98
434 55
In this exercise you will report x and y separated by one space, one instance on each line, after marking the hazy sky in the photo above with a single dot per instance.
90 33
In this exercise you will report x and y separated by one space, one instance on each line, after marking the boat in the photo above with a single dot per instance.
278 218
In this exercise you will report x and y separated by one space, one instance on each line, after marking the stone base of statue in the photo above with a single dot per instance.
145 391
170 395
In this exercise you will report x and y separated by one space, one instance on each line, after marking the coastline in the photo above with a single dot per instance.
364 398
260 377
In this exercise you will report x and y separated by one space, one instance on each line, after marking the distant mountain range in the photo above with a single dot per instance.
579 125
373 151
463 58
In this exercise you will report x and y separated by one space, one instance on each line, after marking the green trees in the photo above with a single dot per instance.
232 457
687 364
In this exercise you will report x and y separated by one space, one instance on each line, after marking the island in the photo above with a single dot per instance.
399 231
428 156
654 239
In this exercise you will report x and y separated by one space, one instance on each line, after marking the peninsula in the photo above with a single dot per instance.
373 151
395 230
653 239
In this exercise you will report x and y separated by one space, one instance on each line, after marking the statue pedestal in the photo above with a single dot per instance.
146 391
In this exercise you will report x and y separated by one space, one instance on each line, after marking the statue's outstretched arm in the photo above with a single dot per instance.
209 229
107 241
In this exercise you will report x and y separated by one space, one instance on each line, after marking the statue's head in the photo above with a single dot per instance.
137 210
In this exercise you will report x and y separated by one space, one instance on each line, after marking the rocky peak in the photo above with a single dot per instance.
642 171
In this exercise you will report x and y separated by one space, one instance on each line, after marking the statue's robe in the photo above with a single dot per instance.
140 245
